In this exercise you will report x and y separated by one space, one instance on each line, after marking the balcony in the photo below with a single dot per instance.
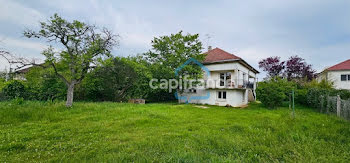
231 84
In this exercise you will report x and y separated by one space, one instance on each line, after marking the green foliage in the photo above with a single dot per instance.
17 101
170 52
141 88
81 45
14 89
116 79
315 94
306 92
273 92
114 132
43 84
2 85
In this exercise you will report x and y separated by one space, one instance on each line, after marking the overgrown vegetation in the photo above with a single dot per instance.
110 132
81 44
273 92
107 78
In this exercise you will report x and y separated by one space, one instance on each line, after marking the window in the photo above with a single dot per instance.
221 94
348 77
222 79
343 77
225 78
192 90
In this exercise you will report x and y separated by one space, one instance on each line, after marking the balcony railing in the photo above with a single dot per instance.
234 83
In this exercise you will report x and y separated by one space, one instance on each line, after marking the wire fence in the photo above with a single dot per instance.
334 105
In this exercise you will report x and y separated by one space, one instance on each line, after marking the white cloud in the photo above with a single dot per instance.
19 14
17 43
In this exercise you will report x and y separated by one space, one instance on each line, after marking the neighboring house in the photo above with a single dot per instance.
232 81
20 74
339 74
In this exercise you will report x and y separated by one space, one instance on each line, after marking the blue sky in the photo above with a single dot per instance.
317 30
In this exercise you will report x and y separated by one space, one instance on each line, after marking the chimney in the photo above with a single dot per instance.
209 47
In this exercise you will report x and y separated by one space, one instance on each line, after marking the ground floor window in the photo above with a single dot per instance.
345 77
221 94
193 90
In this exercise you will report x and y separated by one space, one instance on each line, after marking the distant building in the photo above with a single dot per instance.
339 74
20 73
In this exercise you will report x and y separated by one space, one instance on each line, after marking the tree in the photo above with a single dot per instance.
81 45
170 52
110 81
296 67
272 65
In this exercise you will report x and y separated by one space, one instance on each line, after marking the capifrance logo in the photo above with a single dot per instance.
184 82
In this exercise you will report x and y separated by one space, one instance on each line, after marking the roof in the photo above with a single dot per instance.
218 55
26 69
23 70
341 66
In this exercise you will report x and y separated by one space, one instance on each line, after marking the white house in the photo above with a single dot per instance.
339 74
230 81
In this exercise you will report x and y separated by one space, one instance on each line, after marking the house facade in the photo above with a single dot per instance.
230 81
339 74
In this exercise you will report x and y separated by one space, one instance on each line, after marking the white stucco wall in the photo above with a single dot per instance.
235 97
321 76
334 76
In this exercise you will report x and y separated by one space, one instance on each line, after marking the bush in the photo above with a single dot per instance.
272 93
344 94
301 96
14 89
44 85
314 96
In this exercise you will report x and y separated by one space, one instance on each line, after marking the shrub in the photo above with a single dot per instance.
301 96
314 96
344 94
43 84
272 93
14 89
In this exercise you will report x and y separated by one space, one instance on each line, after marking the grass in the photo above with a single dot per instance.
106 132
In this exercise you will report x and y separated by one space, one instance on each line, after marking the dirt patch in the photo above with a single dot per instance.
202 107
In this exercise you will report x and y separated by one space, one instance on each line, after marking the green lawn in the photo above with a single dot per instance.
35 131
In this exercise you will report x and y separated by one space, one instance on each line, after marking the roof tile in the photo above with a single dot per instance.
341 66
218 54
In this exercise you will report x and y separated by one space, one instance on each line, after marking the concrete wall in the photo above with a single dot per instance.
235 97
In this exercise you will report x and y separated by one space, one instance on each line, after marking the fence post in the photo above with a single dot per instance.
338 105
328 105
290 101
322 101
293 103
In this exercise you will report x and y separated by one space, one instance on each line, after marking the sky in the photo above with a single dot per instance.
317 30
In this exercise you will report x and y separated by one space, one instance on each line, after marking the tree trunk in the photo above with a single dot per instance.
70 93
